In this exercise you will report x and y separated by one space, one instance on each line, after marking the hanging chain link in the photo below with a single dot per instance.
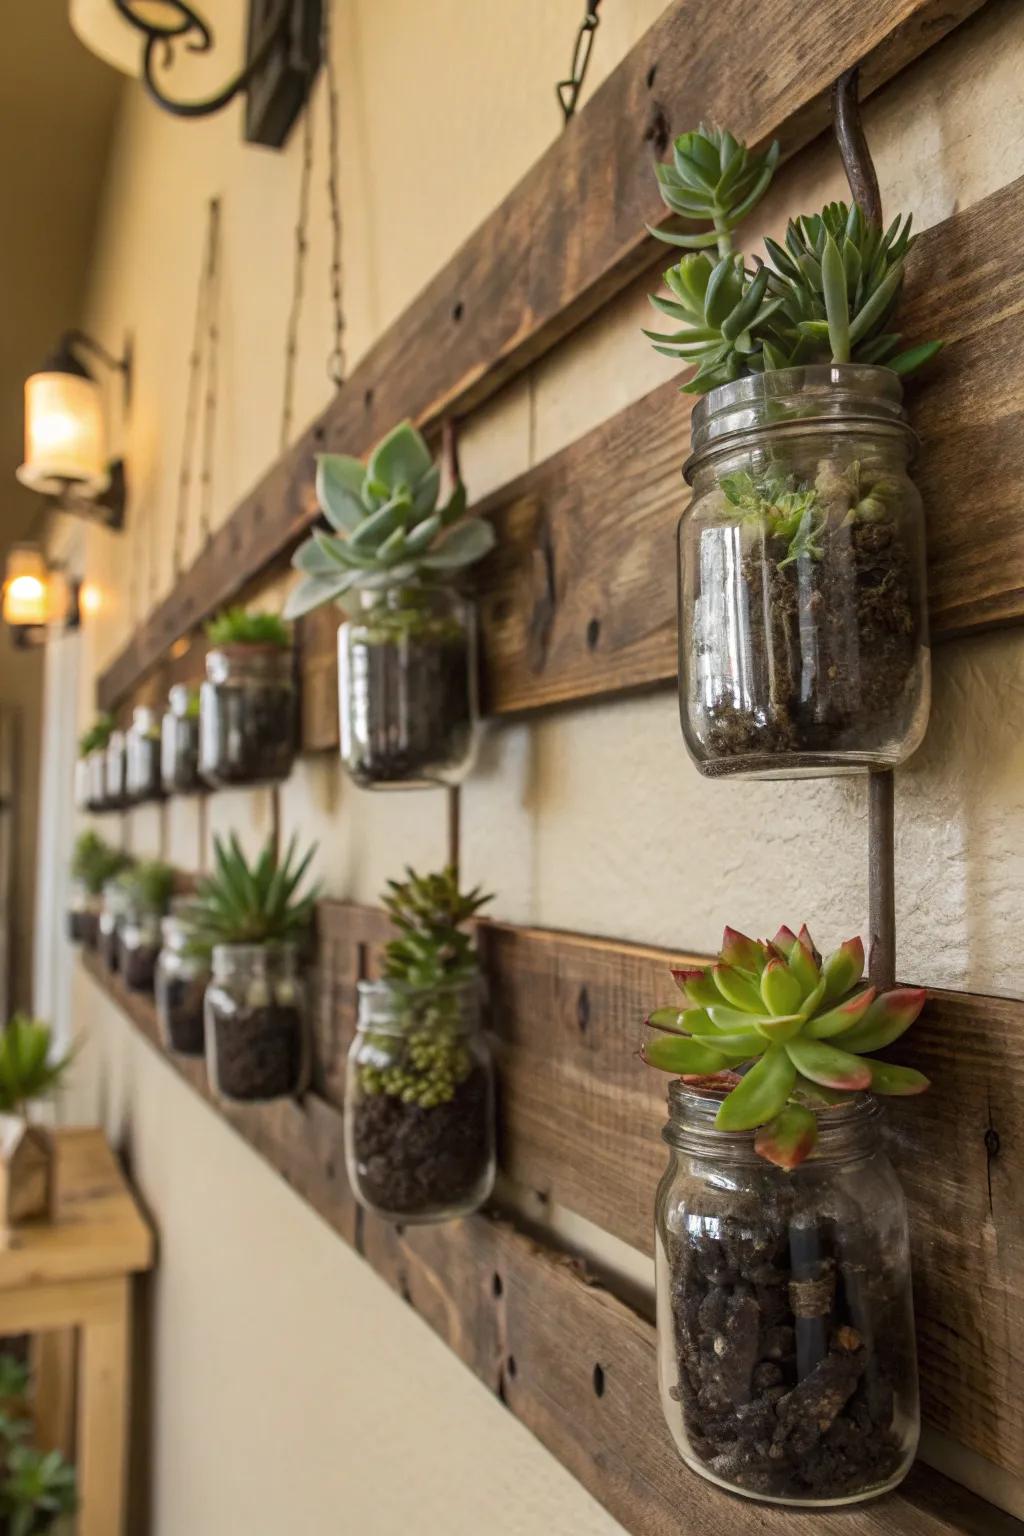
336 360
204 348
291 348
568 91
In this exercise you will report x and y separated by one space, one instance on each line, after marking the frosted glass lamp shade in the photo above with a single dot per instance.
64 437
26 599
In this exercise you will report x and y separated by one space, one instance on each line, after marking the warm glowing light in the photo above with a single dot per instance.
64 438
25 594
90 598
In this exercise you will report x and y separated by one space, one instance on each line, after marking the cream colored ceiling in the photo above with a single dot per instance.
57 106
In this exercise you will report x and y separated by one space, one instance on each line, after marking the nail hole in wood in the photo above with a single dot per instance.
593 634
510 1367
496 1285
368 398
583 1009
652 74
598 1381
458 310
992 1142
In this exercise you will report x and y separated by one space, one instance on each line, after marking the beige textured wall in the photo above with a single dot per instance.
279 1361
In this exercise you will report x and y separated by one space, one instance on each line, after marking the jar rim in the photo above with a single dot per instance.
251 948
693 1107
387 987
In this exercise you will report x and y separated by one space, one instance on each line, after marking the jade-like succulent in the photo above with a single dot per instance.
830 298
94 862
97 736
425 965
36 1487
243 903
387 526
805 1027
235 626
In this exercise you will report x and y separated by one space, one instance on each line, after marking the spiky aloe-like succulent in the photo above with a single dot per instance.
27 1070
98 735
427 961
243 903
805 1024
830 298
236 626
388 528
94 862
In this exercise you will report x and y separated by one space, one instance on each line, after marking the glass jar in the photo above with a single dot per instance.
407 680
785 1322
257 1033
96 773
84 915
247 715
113 909
82 792
138 947
142 752
181 978
116 776
419 1103
179 742
803 621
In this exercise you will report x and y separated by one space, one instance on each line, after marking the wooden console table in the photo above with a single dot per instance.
74 1273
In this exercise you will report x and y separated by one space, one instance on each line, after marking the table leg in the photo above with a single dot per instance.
53 1390
103 1415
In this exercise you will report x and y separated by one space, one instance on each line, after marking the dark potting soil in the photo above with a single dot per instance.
788 1337
83 928
831 656
180 1004
414 702
412 1161
138 966
255 734
258 1052
109 946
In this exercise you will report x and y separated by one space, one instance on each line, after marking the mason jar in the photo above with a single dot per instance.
96 766
182 974
84 915
139 945
142 754
83 800
113 909
419 1102
116 773
786 1349
247 715
407 680
179 742
257 1032
803 621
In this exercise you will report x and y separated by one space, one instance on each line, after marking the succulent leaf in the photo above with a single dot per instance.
781 991
827 1065
677 1053
339 486
761 1094
788 1139
887 1078
843 969
886 1019
843 1017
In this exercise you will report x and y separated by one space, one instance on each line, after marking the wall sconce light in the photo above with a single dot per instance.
38 599
281 56
65 439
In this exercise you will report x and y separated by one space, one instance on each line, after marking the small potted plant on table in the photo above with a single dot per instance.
408 664
419 1091
247 705
28 1073
93 863
148 887
803 628
255 924
785 1320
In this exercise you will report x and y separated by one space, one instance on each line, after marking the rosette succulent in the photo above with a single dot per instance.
387 527
236 626
830 298
801 1027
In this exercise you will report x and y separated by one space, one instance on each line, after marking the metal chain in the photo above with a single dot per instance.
336 360
568 91
210 399
291 348
200 335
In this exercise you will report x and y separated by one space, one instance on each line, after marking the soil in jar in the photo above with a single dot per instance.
180 1003
413 1159
83 928
109 946
787 1330
138 966
410 677
254 733
833 626
258 1052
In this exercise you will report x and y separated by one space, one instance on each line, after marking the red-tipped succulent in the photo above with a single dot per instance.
805 1024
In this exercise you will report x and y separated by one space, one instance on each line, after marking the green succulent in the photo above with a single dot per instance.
235 626
802 1025
426 965
243 903
148 885
97 736
27 1070
94 862
830 297
36 1487
387 526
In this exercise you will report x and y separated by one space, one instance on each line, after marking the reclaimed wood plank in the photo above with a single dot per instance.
533 1324
567 238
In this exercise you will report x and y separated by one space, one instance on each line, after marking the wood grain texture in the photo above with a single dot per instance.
532 1325
581 1119
567 238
